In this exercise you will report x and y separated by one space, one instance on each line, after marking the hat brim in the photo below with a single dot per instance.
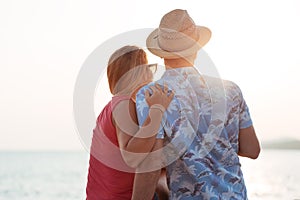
153 46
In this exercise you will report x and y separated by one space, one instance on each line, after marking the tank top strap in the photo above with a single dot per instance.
116 99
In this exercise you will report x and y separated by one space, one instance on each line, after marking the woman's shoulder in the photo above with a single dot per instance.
118 98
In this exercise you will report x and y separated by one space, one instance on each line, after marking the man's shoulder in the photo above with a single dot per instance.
230 88
217 81
142 90
230 85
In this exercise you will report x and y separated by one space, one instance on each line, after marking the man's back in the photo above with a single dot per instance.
201 135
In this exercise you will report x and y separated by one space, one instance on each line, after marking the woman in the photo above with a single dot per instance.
119 146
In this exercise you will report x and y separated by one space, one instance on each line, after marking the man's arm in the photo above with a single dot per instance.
147 176
162 189
145 185
248 143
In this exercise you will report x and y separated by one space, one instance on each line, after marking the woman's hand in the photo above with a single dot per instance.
160 96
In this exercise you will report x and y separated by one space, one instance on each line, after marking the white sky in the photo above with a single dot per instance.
44 43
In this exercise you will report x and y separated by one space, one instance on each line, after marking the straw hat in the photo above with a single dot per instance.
177 36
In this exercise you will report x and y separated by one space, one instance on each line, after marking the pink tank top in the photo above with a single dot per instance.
108 176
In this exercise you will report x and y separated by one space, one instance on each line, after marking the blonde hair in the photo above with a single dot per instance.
127 70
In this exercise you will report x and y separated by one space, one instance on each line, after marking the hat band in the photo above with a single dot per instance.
174 41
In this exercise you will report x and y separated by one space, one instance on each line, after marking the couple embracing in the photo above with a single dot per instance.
177 138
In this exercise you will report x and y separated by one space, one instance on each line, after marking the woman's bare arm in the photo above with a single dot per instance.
136 142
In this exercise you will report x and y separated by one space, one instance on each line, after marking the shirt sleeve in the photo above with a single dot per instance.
244 114
142 110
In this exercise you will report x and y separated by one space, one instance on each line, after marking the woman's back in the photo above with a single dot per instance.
109 177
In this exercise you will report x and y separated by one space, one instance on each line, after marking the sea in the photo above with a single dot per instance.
63 175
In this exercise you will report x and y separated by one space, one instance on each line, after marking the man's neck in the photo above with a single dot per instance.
178 63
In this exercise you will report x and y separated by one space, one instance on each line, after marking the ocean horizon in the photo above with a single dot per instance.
62 175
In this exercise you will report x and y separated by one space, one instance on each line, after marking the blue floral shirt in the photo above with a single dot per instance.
200 131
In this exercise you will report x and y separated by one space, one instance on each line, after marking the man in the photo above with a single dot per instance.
207 124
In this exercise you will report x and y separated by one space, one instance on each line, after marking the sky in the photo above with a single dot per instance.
43 45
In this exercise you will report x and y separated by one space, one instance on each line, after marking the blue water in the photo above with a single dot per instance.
273 176
43 176
62 175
